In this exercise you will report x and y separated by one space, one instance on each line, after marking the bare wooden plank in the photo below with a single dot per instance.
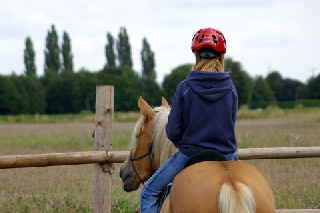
249 153
55 159
117 156
101 202
298 211
279 153
52 159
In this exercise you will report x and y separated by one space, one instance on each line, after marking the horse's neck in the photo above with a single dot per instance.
163 147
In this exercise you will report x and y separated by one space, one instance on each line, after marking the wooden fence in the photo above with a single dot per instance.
103 157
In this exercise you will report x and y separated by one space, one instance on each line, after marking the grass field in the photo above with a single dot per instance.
68 188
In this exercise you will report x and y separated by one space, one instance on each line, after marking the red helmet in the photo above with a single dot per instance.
209 37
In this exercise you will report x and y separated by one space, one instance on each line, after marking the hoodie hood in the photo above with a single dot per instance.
209 85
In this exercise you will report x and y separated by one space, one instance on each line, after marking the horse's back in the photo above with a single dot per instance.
197 188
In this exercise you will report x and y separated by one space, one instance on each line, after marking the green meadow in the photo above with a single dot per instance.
67 189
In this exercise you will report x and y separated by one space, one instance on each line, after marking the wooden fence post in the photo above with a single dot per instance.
102 179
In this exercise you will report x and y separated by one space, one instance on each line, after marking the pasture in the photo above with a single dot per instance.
68 188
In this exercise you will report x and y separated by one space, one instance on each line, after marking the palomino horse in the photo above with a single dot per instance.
210 186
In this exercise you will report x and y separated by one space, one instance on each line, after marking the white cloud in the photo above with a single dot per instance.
261 34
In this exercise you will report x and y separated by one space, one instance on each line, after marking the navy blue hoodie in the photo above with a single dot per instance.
203 114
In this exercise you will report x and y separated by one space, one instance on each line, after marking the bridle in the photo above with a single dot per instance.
149 153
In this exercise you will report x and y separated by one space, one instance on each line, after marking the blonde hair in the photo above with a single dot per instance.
209 65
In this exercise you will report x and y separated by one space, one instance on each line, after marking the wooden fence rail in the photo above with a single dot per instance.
102 157
298 211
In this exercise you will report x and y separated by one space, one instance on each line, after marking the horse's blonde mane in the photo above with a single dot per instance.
163 148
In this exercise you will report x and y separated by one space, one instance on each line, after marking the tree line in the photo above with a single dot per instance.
61 89
258 92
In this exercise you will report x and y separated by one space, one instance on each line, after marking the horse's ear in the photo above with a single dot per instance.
145 108
164 102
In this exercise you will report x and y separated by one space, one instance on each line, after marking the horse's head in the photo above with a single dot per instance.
139 166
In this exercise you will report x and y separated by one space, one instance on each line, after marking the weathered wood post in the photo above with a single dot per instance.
102 179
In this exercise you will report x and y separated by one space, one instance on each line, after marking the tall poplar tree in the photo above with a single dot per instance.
31 93
124 49
147 59
109 52
52 52
29 58
67 55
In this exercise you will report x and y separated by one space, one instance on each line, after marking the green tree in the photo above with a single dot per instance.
52 83
22 99
147 59
275 82
109 52
52 52
67 55
303 92
9 96
85 90
150 91
61 94
171 80
285 89
127 83
31 95
36 96
290 89
313 87
29 58
124 49
262 95
66 93
241 79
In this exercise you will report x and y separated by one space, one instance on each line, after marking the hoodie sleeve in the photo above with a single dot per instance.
174 128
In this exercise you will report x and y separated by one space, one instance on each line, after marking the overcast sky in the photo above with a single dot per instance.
262 35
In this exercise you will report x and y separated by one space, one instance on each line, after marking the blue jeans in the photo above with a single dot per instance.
152 189
157 183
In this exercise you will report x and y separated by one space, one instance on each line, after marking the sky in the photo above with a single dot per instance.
264 35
